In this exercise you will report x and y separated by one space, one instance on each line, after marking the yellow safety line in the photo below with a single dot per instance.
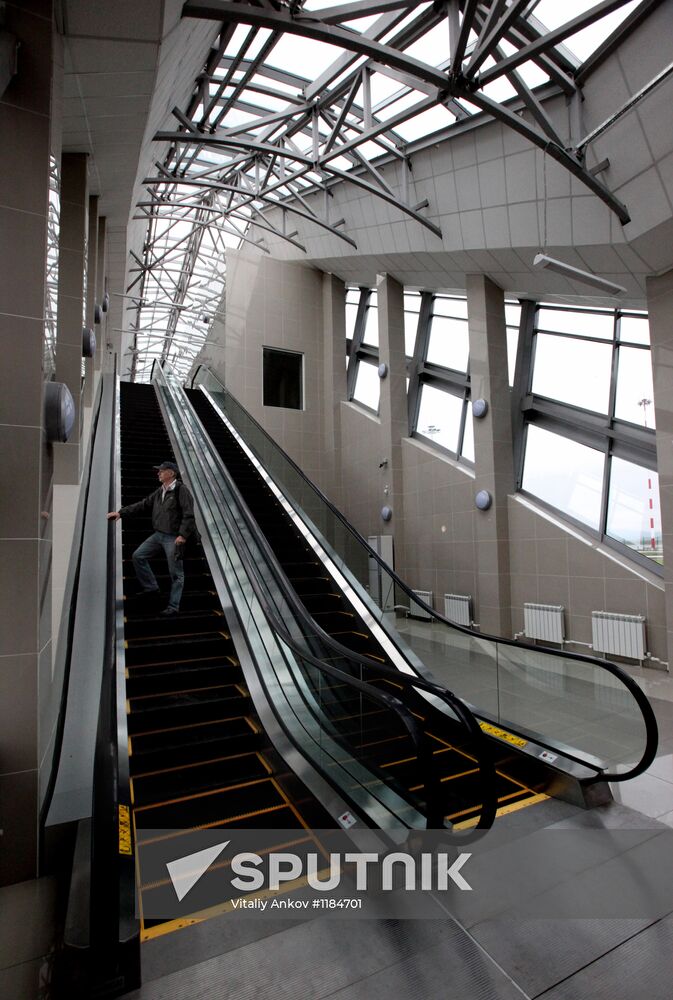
215 911
199 763
202 795
208 826
504 810
165 694
193 725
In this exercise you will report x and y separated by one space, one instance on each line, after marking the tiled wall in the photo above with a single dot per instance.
25 457
552 564
275 304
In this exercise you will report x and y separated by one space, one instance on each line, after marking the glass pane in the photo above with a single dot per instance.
443 305
512 345
439 417
573 371
449 344
371 334
635 396
512 313
468 436
410 328
351 314
565 474
367 386
635 328
412 301
581 324
634 514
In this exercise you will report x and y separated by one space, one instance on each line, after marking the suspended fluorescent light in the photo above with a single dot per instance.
541 260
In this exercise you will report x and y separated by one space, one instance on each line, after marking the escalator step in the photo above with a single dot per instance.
185 708
158 680
236 730
177 648
176 782
218 806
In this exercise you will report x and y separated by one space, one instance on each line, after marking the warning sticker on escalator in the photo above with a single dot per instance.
502 734
124 830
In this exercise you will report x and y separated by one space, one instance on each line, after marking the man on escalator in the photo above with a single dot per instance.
172 510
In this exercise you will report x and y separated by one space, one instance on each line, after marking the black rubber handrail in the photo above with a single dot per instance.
408 683
649 718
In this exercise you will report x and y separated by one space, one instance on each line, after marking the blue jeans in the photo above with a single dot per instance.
160 541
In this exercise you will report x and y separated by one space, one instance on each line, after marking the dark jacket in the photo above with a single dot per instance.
175 515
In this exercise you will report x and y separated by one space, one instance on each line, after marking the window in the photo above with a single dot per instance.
585 438
573 371
371 331
565 474
439 417
367 386
412 306
513 321
439 395
352 299
634 516
283 379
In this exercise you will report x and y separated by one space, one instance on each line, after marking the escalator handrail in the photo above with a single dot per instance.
427 772
649 718
465 716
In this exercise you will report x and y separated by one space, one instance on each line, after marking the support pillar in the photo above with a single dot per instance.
71 301
25 456
660 309
493 450
393 412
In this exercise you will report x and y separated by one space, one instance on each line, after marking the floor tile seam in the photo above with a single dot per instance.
484 951
599 958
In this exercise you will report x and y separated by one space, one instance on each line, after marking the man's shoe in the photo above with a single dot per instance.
168 612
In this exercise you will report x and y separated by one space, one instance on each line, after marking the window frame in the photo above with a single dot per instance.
611 435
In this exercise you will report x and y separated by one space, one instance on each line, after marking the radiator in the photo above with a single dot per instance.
458 608
415 610
544 621
620 635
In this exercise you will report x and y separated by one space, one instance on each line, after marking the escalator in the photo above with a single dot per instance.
519 783
198 754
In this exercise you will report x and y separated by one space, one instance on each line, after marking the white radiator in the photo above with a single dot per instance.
458 608
415 610
620 635
544 621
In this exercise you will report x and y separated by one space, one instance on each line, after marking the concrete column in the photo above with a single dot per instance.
493 450
71 291
334 377
91 266
101 277
25 457
660 309
393 412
